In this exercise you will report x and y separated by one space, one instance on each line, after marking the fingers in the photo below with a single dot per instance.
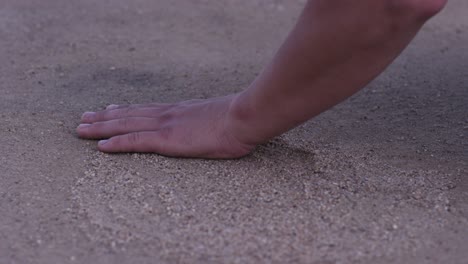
146 141
114 106
106 129
117 112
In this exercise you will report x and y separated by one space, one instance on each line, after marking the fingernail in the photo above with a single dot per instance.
87 114
102 142
81 126
112 106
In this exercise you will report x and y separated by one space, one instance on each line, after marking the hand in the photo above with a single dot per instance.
195 128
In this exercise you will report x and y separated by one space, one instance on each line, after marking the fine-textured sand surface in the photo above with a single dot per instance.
381 178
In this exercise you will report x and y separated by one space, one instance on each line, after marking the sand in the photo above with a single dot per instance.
381 178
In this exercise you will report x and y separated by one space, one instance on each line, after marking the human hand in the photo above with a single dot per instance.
195 128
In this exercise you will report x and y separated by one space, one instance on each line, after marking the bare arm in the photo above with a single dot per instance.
335 49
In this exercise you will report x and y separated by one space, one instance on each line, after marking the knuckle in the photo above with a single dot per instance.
95 128
134 138
165 133
106 115
118 113
129 109
166 116
123 122
99 116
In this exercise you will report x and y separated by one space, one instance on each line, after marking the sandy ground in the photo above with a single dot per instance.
381 178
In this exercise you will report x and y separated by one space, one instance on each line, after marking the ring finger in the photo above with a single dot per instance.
110 128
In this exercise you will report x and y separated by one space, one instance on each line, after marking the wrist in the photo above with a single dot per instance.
241 120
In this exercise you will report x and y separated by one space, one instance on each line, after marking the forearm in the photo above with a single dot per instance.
333 51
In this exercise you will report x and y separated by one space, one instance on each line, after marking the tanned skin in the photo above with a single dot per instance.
336 48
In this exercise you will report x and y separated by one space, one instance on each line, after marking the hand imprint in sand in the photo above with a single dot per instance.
195 128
